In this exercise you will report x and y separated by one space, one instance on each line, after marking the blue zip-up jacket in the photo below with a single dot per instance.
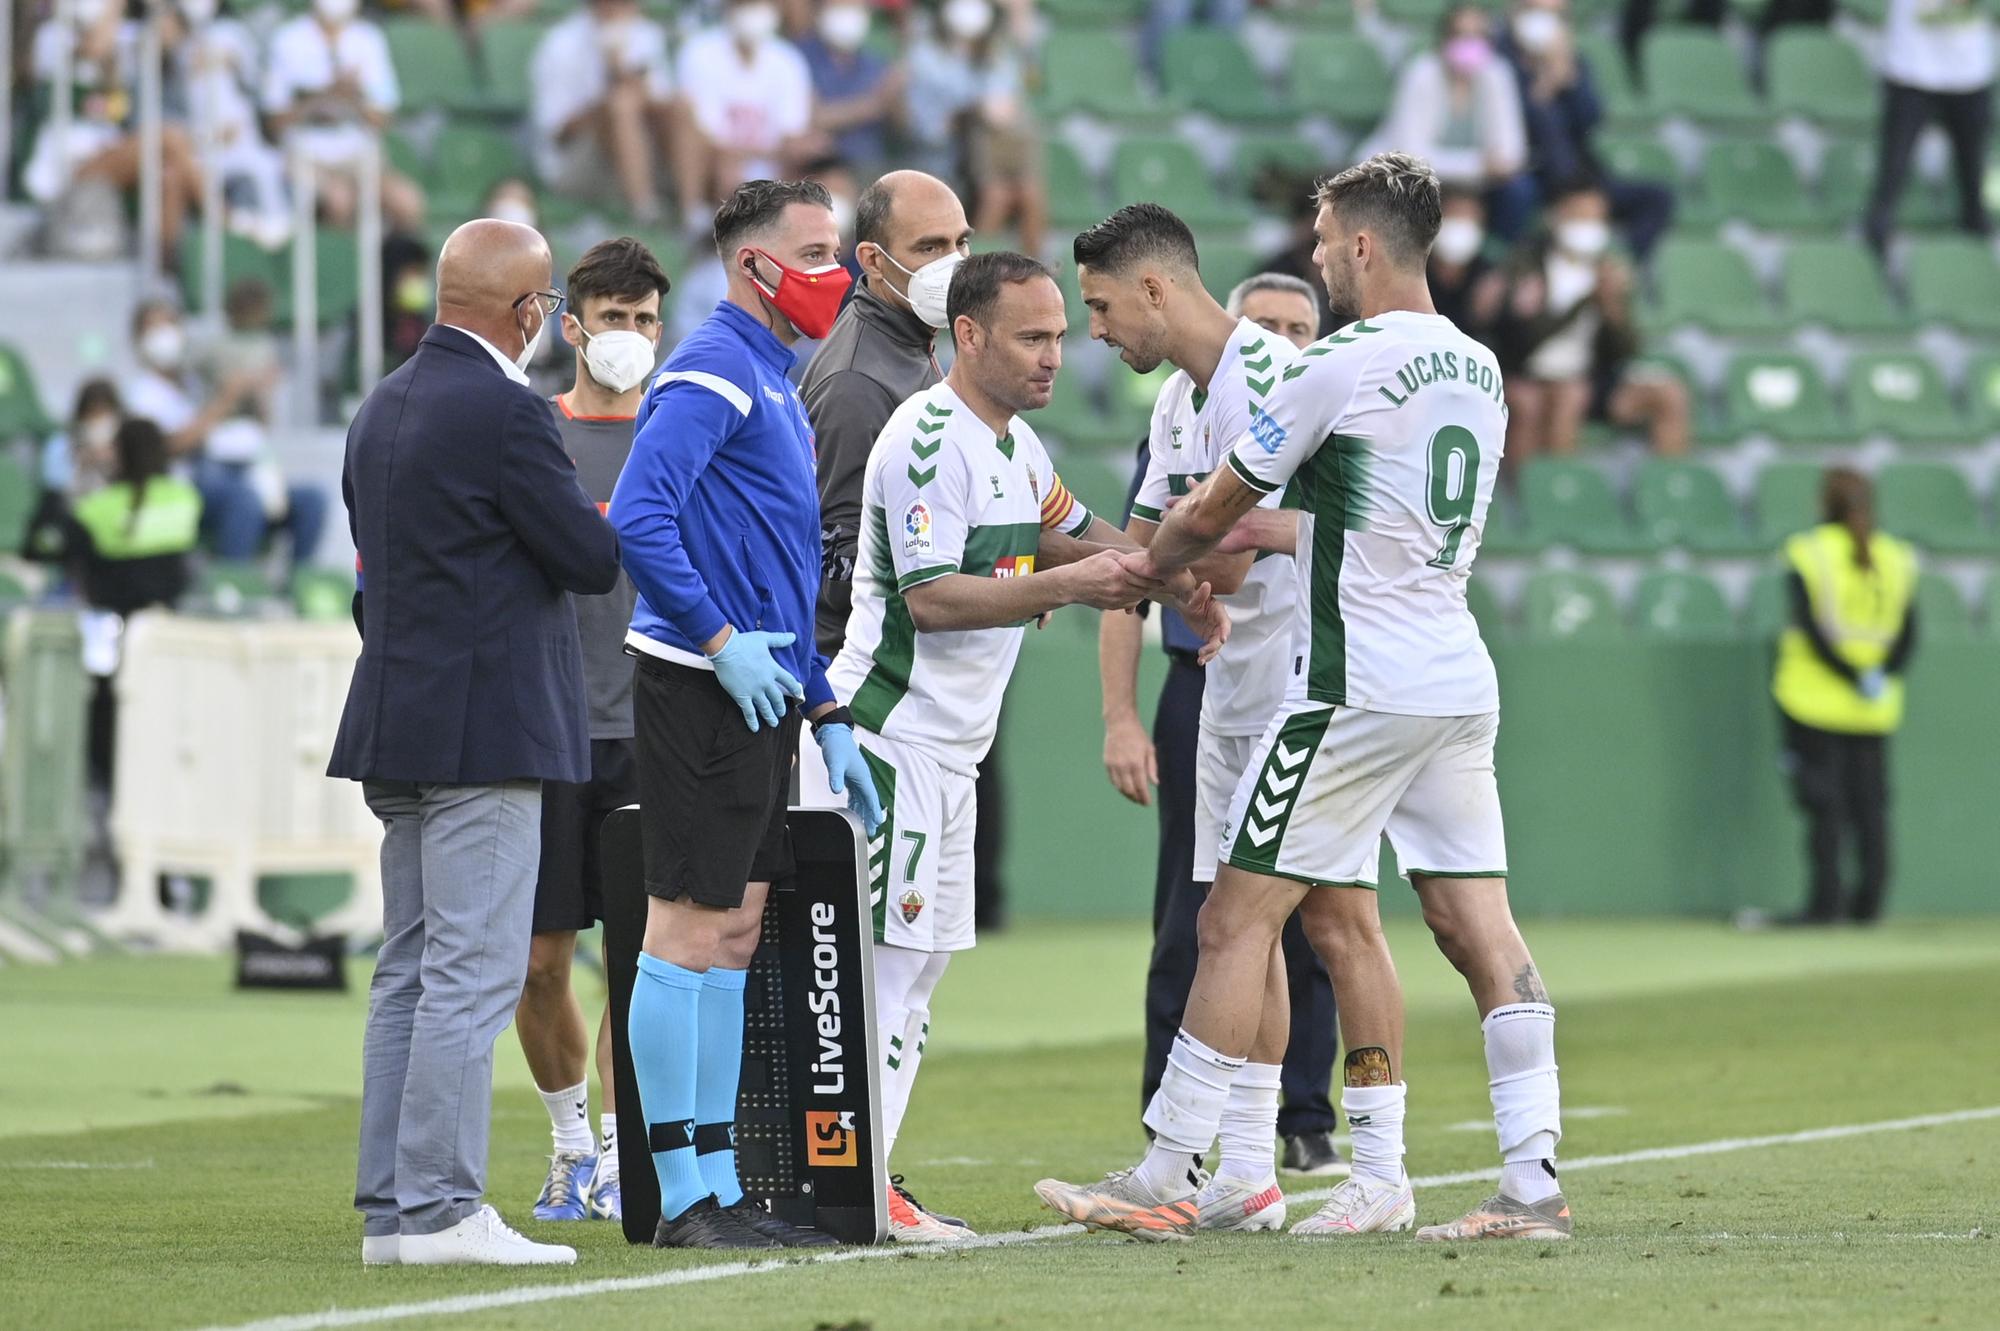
717 509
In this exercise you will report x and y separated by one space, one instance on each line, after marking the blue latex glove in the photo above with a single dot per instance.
847 771
1873 683
745 669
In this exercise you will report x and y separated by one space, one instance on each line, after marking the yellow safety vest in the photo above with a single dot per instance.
1860 612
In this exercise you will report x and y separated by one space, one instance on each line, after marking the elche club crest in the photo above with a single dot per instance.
911 903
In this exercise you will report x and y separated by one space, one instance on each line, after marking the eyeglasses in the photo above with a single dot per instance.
551 301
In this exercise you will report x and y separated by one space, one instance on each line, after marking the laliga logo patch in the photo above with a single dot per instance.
917 529
1267 432
911 903
830 1139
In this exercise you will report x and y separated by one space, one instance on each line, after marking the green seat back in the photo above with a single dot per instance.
1982 393
1074 197
1695 72
21 412
322 594
1945 615
433 66
17 503
1671 604
1837 283
1821 76
1954 280
471 158
1569 503
1781 394
1902 395
1931 505
507 49
1165 170
1091 71
1208 68
1787 500
1563 604
1638 157
1754 180
1341 75
1709 283
1686 504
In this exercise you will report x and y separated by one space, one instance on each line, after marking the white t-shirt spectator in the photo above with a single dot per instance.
306 60
1938 45
571 72
1487 141
747 107
101 102
153 396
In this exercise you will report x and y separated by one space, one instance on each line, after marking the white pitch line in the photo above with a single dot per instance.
527 1294
80 1164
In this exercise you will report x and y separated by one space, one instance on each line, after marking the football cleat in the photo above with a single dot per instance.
1362 1206
1236 1206
607 1199
780 1231
566 1193
1119 1202
1501 1217
911 1223
896 1186
706 1225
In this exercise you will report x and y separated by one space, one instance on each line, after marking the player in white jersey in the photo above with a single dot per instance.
1390 433
967 535
1140 277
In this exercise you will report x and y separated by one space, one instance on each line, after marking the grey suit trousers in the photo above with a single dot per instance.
458 897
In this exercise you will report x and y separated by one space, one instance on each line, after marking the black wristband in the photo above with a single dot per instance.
839 716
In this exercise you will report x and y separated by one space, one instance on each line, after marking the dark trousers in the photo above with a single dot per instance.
1842 785
1177 898
989 893
1967 118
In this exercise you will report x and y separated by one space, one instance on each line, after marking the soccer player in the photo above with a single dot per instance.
967 534
1141 281
1390 433
613 322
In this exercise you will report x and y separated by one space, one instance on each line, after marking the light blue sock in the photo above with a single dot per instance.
719 1065
666 1010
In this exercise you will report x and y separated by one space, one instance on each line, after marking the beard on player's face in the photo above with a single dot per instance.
1343 291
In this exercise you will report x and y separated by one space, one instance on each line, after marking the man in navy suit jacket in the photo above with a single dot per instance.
468 695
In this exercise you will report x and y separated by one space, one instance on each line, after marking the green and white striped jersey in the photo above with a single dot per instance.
941 495
1191 432
1389 433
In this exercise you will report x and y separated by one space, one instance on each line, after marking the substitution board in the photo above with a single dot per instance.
809 1107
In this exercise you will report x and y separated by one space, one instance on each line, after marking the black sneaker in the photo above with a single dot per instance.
781 1232
706 1225
896 1182
1314 1153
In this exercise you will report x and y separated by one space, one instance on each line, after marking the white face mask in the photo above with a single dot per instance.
751 24
336 11
534 344
1459 238
929 285
512 210
97 432
1537 29
163 345
968 20
1583 239
198 12
844 27
619 358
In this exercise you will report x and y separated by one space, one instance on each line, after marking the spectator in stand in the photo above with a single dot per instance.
1465 287
329 89
1296 259
968 88
512 200
1561 108
604 110
1565 338
79 459
102 142
409 297
749 101
1459 108
212 77
1163 16
1937 65
856 92
235 516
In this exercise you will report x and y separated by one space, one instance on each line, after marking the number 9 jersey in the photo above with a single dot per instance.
1390 433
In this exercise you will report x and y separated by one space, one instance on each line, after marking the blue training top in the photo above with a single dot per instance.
717 510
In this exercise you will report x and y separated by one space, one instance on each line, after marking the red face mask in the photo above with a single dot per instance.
809 298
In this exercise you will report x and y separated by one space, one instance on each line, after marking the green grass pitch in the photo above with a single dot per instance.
180 1156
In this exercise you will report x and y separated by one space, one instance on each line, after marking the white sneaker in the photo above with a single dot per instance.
1238 1206
1363 1206
381 1249
481 1239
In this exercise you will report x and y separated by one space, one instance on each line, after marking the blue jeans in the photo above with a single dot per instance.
232 516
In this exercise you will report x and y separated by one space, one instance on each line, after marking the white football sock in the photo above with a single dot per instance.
1185 1113
1375 1118
904 982
569 1117
1527 1102
1249 1129
607 1150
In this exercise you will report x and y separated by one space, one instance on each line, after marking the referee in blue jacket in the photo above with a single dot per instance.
718 513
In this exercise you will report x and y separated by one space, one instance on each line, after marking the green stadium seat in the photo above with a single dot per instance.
1067 14
1707 424
323 595
1164 169
1871 12
1686 504
231 588
13 592
1671 604
1837 283
1901 395
1770 605
1074 197
1931 505
1505 533
17 503
1562 604
1847 175
432 64
1623 103
1638 157
22 415
1099 479
1755 181
1982 393
1781 394
1258 154
1420 13
506 49
1208 69
1787 501
1225 261
1954 280
241 258
1695 72
336 274
1991 605
1818 75
471 158
1942 609
1485 607
1570 503
1340 75
1707 283
1093 71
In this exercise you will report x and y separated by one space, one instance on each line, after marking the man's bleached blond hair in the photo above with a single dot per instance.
1395 197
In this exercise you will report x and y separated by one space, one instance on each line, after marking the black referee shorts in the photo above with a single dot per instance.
569 889
713 793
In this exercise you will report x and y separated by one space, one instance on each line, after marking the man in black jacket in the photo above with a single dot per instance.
468 695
